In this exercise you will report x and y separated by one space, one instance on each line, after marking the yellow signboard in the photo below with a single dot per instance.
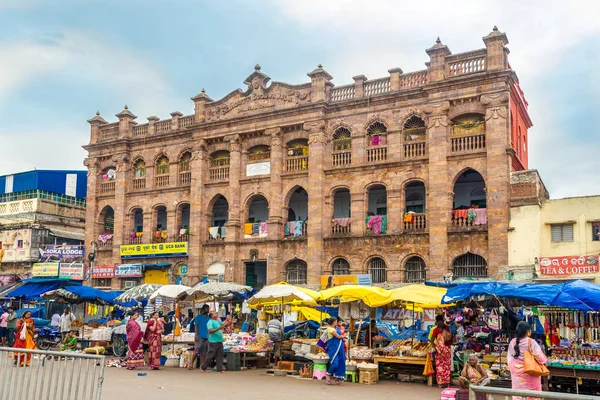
49 269
329 281
154 250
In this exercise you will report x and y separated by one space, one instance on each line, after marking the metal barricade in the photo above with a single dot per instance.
493 393
50 375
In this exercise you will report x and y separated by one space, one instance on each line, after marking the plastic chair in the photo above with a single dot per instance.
320 375
351 376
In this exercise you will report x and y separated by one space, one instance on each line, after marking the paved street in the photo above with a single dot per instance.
182 384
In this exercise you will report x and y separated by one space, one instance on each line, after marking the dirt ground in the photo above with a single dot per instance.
181 384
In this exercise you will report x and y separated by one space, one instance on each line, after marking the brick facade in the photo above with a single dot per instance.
221 140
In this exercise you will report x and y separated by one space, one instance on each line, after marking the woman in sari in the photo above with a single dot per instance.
473 374
70 342
153 337
516 359
336 353
442 338
24 338
135 349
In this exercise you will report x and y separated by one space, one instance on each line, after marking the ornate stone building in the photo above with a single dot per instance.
403 178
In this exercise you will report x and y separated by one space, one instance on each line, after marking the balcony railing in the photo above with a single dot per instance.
183 237
255 229
377 86
415 150
136 239
108 133
185 178
139 183
342 158
469 66
376 224
140 130
162 126
468 144
471 219
107 187
413 79
162 181
296 163
296 228
184 122
259 156
415 222
106 244
219 174
376 154
216 233
341 93
340 227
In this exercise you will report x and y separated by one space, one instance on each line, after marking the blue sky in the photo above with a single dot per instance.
61 60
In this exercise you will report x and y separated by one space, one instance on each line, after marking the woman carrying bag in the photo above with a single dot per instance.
526 361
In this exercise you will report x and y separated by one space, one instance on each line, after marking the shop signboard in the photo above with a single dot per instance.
103 271
329 281
73 271
47 269
570 265
400 314
183 269
128 271
154 250
60 252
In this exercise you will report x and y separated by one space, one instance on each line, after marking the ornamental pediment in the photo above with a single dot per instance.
258 99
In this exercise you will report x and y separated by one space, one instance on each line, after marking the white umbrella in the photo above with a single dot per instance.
213 291
137 293
169 291
282 294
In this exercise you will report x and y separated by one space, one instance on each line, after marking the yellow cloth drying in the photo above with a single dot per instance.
248 229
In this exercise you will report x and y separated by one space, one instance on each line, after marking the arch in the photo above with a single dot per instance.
259 153
340 266
185 159
415 195
377 268
377 200
137 217
139 168
160 216
415 269
162 165
183 217
296 272
109 173
159 155
257 208
342 203
376 128
297 147
216 272
342 139
220 158
107 220
414 128
219 215
469 190
468 124
469 265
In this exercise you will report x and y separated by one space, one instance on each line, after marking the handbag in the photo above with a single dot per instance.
494 320
23 333
322 343
531 366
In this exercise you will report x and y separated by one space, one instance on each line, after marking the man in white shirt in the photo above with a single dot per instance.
65 322
55 323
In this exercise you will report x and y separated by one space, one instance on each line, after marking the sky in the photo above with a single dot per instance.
63 60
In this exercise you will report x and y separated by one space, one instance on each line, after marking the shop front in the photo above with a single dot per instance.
146 269
567 268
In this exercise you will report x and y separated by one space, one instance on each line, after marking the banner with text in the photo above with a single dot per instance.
59 252
72 271
570 265
128 271
329 281
175 249
103 271
48 269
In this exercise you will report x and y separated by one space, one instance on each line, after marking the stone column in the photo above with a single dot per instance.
120 203
276 218
152 120
200 101
95 123
126 122
316 226
439 205
497 133
437 63
495 43
359 85
394 211
358 213
175 115
198 223
235 218
395 79
91 210
320 84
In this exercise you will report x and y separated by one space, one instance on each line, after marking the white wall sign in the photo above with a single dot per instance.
8 186
71 185
262 168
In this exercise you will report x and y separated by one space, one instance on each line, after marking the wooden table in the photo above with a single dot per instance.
566 372
404 360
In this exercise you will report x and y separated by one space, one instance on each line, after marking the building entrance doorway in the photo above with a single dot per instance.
256 274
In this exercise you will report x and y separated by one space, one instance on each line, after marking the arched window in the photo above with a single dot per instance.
259 153
139 169
376 218
342 139
108 219
298 147
219 159
109 174
296 272
414 129
469 192
340 267
415 270
468 124
138 221
469 265
377 269
184 162
376 133
162 166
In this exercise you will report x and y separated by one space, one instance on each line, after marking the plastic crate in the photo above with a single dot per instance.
368 377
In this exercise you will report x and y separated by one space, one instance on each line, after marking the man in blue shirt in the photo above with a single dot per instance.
215 343
201 334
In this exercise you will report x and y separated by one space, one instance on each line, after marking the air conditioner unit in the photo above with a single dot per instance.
130 284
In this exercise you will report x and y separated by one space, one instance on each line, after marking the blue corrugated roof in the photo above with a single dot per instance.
43 179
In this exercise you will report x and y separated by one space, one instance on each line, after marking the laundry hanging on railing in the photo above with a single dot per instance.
343 222
298 228
377 223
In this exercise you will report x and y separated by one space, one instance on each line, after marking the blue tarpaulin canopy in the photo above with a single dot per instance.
578 295
80 294
35 287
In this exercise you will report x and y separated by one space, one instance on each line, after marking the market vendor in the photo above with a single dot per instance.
473 374
275 330
70 342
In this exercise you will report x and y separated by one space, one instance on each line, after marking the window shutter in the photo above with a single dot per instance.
556 233
567 233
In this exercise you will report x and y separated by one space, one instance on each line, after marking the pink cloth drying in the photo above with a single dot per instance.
481 216
263 228
375 223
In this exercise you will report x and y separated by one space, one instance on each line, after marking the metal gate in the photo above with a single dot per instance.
50 375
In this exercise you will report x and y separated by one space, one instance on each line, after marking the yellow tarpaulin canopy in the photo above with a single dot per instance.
372 296
307 313
281 294
422 296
